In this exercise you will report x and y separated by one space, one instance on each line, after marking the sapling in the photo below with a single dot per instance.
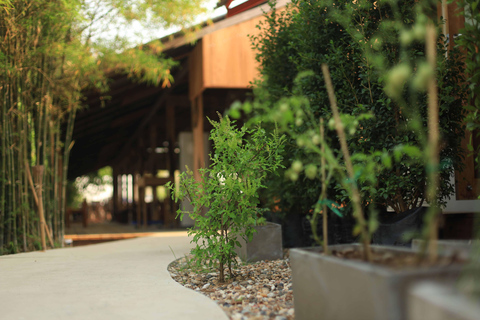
353 188
225 199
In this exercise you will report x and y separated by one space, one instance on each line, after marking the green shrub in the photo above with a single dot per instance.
361 43
225 200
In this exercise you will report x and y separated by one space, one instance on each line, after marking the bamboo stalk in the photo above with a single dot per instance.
38 174
10 209
53 180
39 202
324 189
25 176
21 175
3 173
49 235
62 205
46 165
358 210
66 154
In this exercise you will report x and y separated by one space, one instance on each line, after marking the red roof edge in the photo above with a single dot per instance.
242 7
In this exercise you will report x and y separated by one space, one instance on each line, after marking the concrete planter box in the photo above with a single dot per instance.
461 248
441 301
332 288
266 244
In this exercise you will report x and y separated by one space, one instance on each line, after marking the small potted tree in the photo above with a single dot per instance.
225 200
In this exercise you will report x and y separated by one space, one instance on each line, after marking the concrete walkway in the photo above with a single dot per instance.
126 279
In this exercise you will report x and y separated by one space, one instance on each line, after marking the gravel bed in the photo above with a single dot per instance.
261 290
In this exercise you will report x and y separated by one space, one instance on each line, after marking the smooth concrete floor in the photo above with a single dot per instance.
125 279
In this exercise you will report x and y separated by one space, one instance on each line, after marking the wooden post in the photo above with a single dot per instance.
134 187
38 176
136 193
68 214
115 191
197 130
152 166
144 209
85 213
141 200
169 214
127 192
170 125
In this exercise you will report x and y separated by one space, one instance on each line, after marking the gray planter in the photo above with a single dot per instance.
441 301
461 248
326 287
266 244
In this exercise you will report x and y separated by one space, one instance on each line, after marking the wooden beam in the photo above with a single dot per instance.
179 101
140 93
122 121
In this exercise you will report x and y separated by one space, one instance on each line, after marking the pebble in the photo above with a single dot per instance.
260 291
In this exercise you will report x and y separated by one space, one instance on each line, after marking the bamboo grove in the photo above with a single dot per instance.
39 95
47 59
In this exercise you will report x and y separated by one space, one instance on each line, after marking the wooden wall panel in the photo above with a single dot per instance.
228 57
454 20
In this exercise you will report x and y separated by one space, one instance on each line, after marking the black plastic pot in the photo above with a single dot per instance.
293 231
394 227
340 230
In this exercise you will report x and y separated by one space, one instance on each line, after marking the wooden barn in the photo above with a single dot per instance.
147 133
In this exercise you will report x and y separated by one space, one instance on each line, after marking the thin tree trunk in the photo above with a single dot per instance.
433 143
355 194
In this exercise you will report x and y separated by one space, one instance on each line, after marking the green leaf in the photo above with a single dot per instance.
335 207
